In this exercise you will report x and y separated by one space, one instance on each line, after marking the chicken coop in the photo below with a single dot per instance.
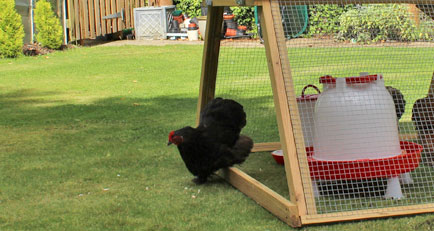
352 112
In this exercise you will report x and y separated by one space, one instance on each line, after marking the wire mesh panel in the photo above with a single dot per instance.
243 76
361 79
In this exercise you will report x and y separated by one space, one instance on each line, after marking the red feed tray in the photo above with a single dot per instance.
366 169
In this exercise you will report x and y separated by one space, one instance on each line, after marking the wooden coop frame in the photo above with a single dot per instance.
299 209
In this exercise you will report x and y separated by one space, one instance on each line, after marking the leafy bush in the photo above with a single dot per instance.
324 19
49 30
189 7
11 30
426 29
374 23
244 16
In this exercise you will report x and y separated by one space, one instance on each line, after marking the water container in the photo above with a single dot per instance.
355 119
306 109
193 32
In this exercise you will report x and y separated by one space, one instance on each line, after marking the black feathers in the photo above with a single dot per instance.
398 99
216 143
423 115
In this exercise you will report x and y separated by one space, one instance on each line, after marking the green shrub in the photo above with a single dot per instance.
379 22
324 19
11 30
49 30
189 7
426 29
244 16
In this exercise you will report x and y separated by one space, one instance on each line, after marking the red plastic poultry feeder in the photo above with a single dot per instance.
368 168
391 168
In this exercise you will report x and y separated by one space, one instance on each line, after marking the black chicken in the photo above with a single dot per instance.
423 115
216 143
226 117
398 99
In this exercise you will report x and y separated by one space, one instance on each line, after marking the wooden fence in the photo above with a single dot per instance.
85 17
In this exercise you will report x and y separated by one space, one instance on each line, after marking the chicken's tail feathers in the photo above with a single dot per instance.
242 149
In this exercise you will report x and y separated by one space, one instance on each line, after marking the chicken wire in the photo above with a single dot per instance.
243 75
364 152
390 176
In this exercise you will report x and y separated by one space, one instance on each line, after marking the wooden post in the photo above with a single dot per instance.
431 87
210 57
303 199
414 13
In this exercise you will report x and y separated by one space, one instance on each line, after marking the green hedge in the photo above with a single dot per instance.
374 23
11 30
324 19
189 7
49 30
244 16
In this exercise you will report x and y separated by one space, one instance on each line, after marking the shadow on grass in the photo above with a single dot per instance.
100 134
27 106
111 133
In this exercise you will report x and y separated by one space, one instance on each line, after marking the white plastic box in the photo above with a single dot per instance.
152 22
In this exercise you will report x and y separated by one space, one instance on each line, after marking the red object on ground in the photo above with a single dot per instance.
278 157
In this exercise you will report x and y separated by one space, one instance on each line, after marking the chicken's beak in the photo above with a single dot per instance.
169 143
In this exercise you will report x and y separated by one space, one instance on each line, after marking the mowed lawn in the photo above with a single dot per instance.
83 137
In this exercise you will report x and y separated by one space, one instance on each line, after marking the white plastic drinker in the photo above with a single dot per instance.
355 119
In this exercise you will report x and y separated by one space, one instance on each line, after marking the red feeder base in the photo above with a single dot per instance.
368 168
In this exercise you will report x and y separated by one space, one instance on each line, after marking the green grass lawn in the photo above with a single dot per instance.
83 138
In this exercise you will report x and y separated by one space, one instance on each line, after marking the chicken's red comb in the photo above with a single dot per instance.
171 135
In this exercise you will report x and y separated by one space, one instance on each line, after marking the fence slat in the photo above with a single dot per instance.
112 11
118 20
132 12
77 20
97 18
86 18
126 14
71 21
108 21
102 12
92 29
122 6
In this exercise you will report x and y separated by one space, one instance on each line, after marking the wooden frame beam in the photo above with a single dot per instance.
267 198
265 147
210 57
367 214
287 139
